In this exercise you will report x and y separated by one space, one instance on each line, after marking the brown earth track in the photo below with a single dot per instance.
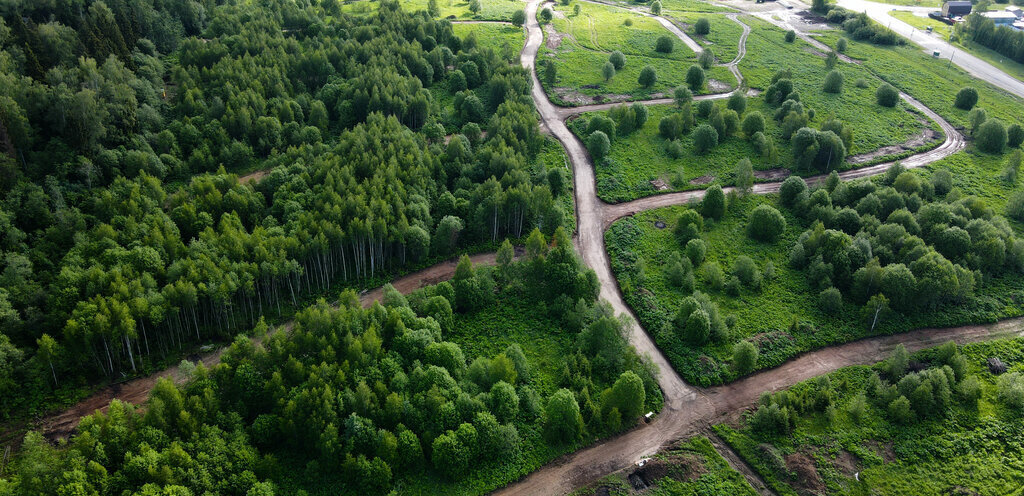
687 409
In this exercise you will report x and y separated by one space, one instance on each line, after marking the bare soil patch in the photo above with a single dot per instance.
807 480
918 140
702 180
717 86
680 466
252 177
554 38
660 184
883 449
846 463
772 174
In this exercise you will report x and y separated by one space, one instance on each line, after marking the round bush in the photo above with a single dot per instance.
753 123
682 95
695 77
598 145
887 96
706 58
617 59
991 136
545 15
702 27
656 7
790 36
833 82
648 76
1014 136
766 223
704 138
791 189
830 301
675 149
737 102
966 98
664 44
841 45
608 71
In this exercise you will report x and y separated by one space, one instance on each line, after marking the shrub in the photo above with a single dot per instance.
744 357
518 18
976 118
753 123
656 7
713 276
696 249
1015 206
744 176
1014 135
991 136
608 71
966 98
674 148
745 269
648 76
841 45
766 223
900 410
830 301
602 123
695 77
702 27
861 83
1011 390
887 96
790 36
833 82
704 138
545 15
665 44
1012 166
713 204
831 60
617 59
942 182
737 102
706 58
791 190
598 145
704 108
682 95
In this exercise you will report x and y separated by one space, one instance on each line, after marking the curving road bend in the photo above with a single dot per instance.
688 408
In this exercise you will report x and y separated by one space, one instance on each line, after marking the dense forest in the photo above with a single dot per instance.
359 400
126 236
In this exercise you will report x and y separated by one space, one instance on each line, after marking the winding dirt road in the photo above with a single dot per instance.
687 409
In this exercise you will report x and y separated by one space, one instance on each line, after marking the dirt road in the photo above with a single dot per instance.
688 408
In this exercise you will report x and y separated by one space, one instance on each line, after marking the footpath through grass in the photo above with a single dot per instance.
847 440
504 39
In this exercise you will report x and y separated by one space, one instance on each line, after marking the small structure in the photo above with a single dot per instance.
956 8
1016 11
1004 19
996 366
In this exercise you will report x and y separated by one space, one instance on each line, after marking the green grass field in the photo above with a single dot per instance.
491 10
502 38
971 450
603 28
933 82
584 43
637 159
767 315
724 38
